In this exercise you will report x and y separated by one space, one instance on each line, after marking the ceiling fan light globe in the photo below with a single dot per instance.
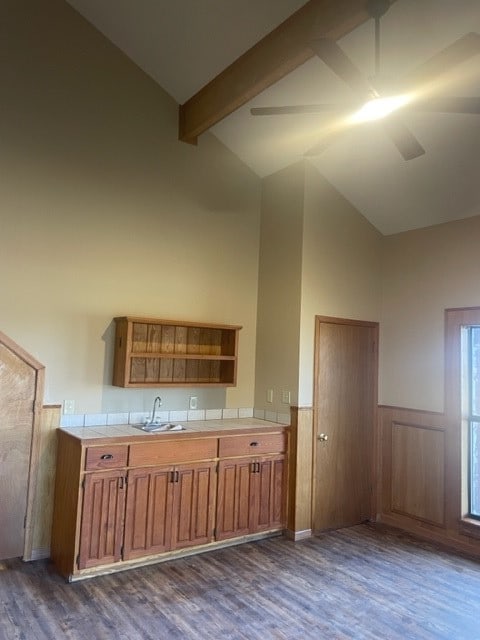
379 108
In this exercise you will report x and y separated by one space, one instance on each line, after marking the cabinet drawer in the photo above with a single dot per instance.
254 444
106 457
172 452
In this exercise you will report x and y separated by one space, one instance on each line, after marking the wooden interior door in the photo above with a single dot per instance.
21 392
346 369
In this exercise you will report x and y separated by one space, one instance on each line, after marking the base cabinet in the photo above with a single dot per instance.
102 519
234 498
193 500
269 504
120 501
148 512
168 508
251 496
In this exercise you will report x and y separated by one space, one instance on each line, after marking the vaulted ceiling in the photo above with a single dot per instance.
191 48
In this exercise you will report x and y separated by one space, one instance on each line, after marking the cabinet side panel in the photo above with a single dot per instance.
121 370
66 503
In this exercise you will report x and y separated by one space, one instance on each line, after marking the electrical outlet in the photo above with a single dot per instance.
193 402
286 397
269 395
68 407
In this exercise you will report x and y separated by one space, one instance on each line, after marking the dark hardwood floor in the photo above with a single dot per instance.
361 582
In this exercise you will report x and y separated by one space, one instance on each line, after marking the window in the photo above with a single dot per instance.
462 414
474 421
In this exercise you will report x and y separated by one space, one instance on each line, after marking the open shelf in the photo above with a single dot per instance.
158 353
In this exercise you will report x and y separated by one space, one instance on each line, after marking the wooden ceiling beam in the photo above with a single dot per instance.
278 54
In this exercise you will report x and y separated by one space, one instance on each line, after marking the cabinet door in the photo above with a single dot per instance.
194 497
251 496
270 494
235 497
149 512
102 519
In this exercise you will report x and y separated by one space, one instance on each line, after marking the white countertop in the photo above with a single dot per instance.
193 427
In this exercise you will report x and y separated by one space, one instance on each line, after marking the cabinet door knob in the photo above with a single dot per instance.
254 444
322 437
107 456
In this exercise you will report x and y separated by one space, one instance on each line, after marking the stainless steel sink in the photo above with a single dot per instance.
160 427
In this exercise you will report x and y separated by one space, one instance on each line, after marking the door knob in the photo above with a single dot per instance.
322 437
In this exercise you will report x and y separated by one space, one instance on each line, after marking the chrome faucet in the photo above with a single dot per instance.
157 403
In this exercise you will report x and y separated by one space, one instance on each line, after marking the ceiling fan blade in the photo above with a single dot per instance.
302 108
402 138
448 105
462 49
338 61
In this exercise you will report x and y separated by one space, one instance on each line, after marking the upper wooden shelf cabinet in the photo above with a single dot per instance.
170 353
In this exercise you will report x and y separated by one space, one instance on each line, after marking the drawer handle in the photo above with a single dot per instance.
254 444
107 456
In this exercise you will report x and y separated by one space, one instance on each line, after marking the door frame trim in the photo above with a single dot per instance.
376 448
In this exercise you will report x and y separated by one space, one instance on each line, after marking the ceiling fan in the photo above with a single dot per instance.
380 98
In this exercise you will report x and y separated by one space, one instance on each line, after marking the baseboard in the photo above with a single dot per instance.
440 538
39 554
298 535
